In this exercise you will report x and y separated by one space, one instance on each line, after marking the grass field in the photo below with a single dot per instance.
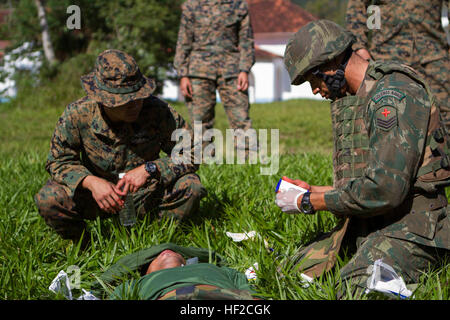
239 199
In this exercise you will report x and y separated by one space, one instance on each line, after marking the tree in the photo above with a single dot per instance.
146 29
46 38
333 10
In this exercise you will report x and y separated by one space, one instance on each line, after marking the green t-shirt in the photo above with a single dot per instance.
158 283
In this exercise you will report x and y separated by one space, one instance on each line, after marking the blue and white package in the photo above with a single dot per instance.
283 185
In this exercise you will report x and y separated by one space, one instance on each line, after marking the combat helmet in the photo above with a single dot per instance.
313 45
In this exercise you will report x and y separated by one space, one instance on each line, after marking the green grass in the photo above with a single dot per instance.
239 199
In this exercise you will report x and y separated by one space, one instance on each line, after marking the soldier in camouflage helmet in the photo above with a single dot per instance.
215 51
119 127
410 31
390 160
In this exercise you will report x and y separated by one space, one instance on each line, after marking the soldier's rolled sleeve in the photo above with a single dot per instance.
393 163
63 162
356 22
171 171
246 42
184 42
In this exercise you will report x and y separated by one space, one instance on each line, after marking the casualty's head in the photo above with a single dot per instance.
118 85
165 260
318 53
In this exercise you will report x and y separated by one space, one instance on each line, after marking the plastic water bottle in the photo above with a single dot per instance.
127 215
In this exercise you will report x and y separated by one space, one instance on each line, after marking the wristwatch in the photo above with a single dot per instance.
306 206
151 169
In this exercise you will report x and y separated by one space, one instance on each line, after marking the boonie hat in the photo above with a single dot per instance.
116 80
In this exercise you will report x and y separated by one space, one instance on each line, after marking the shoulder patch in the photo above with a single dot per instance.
388 93
386 117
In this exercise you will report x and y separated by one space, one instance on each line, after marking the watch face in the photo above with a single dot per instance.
150 167
306 207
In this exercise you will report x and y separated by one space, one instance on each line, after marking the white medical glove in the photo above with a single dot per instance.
287 200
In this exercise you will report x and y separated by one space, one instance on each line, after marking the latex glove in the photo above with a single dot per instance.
287 200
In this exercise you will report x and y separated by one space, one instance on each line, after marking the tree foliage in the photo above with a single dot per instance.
333 10
146 29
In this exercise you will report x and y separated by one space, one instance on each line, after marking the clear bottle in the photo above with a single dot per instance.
127 215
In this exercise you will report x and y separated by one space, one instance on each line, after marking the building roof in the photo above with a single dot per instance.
269 16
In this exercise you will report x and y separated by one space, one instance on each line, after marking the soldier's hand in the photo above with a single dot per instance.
242 80
287 200
186 87
133 180
299 183
363 53
105 193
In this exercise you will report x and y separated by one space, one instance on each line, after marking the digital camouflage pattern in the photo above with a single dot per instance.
215 43
235 102
215 39
325 39
66 215
411 32
86 142
116 80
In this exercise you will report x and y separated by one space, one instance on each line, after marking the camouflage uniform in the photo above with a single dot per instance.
411 32
391 164
86 142
215 43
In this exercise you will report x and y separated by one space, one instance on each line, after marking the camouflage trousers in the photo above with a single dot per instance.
67 215
206 292
235 102
408 259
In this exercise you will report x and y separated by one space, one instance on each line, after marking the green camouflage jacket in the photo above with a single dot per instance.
385 192
215 39
86 143
410 30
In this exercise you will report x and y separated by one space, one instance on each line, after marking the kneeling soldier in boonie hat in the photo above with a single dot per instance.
119 127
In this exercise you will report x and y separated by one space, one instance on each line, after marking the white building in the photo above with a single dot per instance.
273 23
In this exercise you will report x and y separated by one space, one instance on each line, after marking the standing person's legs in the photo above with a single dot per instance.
237 106
201 106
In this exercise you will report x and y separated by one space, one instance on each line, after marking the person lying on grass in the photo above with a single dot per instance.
170 271
391 162
118 127
169 278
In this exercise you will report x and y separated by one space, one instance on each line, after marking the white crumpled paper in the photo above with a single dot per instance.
238 237
384 279
61 284
250 273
